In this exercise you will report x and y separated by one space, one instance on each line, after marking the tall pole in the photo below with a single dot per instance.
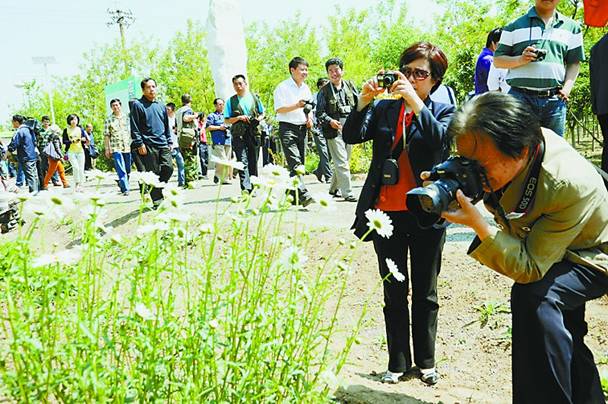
45 61
122 18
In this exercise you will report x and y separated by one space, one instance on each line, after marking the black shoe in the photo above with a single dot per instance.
335 194
305 200
215 180
318 175
328 180
350 198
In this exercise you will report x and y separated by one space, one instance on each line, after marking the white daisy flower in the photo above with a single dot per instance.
324 200
142 311
392 267
148 178
213 324
237 165
379 221
293 257
65 257
206 228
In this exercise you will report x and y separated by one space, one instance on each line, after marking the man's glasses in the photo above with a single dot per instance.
419 74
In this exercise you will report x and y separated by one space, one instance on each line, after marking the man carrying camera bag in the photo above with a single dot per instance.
336 100
542 50
244 111
293 104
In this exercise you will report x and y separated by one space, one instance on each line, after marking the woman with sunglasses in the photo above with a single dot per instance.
411 131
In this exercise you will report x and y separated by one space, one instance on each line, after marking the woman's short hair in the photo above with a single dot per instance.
435 56
72 116
509 122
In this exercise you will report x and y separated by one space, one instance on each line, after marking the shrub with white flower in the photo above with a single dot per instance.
144 312
394 270
293 257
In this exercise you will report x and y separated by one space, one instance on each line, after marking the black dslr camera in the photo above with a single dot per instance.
309 105
386 80
427 203
540 54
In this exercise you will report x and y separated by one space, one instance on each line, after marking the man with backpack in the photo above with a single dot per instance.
24 142
244 111
335 102
185 123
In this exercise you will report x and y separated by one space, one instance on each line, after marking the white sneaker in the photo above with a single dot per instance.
391 377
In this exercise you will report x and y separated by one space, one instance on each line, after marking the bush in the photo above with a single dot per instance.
179 310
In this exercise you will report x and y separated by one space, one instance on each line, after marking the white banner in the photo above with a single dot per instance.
226 48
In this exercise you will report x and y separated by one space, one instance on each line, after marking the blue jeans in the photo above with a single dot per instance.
203 154
122 164
551 111
551 363
179 161
20 179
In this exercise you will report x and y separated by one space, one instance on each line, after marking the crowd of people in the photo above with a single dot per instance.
549 203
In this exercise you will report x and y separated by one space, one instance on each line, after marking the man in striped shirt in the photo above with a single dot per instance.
542 50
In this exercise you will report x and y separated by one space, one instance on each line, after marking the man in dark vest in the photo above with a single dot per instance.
598 71
244 111
336 100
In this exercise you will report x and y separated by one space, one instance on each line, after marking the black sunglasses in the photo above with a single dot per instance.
419 74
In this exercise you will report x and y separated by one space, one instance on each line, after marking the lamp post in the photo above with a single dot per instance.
45 61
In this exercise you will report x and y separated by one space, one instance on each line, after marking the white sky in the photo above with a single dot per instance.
67 28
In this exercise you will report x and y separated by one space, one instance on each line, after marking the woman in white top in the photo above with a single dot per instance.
73 138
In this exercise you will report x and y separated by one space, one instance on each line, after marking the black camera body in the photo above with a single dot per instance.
540 54
309 105
386 80
427 203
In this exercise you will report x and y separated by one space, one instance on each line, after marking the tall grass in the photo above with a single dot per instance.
179 309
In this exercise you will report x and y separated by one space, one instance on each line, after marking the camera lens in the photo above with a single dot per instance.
433 198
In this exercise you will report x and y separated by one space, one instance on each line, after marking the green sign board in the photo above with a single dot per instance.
124 90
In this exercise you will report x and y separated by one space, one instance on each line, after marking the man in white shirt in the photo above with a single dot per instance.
293 104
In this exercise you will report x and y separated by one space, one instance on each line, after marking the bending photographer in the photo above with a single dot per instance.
551 207
409 136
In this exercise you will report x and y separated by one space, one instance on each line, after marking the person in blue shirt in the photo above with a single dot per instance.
221 149
151 136
24 142
484 61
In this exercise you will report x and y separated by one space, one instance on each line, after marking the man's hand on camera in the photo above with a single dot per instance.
468 215
309 123
300 104
528 55
243 118
335 124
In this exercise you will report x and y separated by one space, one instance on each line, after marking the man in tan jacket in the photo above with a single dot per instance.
551 208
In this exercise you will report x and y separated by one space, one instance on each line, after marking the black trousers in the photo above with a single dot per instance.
293 141
137 160
246 152
603 120
159 161
551 363
424 248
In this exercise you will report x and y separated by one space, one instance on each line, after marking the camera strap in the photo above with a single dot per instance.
405 120
531 181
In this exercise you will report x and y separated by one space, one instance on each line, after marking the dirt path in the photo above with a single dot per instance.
473 351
